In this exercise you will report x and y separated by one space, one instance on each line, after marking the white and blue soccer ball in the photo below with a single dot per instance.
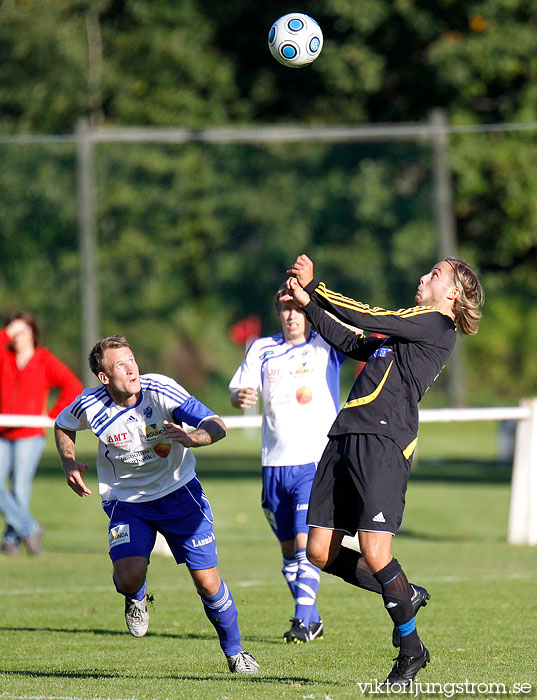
295 40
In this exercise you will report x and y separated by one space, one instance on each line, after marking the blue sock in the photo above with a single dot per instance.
289 571
137 596
222 612
306 587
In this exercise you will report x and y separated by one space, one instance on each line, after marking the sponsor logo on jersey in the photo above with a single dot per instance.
119 439
132 419
119 534
205 540
148 412
153 431
136 458
304 394
163 449
273 374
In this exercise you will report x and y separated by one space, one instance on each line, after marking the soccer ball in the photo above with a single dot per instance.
295 40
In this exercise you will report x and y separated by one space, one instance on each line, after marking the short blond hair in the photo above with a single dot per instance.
110 343
466 307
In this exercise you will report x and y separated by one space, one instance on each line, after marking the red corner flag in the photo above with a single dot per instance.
244 331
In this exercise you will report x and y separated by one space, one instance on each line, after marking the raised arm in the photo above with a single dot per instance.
302 268
348 340
419 323
62 378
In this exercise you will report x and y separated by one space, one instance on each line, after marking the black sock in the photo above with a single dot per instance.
351 567
396 596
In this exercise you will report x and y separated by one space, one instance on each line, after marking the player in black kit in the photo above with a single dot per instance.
361 480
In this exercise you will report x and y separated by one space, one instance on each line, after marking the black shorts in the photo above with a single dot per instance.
360 484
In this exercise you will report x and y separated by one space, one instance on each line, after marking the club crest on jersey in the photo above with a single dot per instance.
119 534
153 431
148 412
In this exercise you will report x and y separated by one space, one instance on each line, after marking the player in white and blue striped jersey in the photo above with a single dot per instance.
148 483
297 374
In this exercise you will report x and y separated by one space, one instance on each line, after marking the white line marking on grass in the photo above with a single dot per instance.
256 582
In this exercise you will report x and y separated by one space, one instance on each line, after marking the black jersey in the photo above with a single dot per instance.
399 370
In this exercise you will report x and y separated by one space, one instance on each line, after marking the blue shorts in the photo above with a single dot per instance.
285 498
184 518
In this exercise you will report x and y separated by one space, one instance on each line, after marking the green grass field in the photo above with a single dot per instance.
62 632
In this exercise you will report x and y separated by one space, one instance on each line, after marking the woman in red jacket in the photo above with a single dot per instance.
28 371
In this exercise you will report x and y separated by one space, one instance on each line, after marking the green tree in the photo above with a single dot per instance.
193 237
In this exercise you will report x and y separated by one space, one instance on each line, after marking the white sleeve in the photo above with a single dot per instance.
71 418
249 372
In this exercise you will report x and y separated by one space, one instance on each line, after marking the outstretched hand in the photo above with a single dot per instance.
302 268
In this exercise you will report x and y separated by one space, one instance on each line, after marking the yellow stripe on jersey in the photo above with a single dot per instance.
409 450
348 303
371 397
357 331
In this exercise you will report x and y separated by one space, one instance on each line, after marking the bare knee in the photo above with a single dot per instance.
376 561
207 581
130 573
317 556
323 546
376 549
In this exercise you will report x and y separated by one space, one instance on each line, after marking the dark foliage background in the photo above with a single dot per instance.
195 237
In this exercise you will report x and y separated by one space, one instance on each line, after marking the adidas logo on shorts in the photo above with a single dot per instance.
379 518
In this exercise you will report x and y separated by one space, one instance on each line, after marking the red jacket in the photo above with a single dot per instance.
26 391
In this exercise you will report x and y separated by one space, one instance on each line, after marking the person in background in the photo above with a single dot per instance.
297 373
28 372
148 484
362 477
